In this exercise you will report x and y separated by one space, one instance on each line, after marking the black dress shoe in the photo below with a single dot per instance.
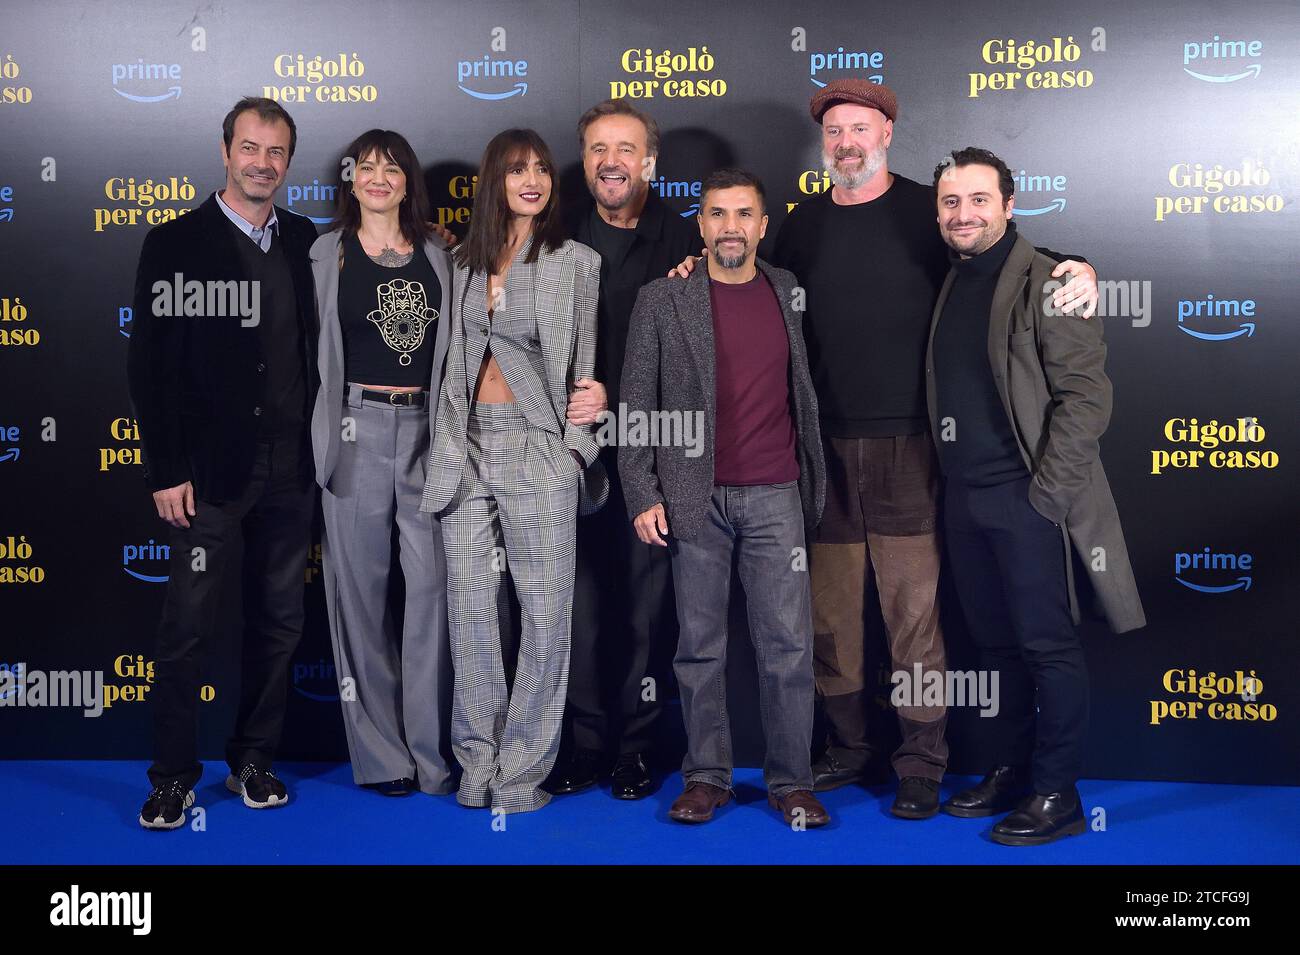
996 793
579 773
918 798
393 787
631 777
1040 819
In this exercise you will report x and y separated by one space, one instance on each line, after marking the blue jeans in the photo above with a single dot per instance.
763 526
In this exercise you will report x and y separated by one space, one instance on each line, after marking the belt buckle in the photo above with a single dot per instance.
394 395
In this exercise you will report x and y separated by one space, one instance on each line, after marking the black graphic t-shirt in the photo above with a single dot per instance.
389 318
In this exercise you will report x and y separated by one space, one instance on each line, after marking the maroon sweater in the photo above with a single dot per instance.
754 437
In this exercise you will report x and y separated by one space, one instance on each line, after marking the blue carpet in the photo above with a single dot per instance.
74 812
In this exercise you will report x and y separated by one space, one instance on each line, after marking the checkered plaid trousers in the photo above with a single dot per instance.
516 509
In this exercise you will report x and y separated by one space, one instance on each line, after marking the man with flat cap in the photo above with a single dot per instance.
871 261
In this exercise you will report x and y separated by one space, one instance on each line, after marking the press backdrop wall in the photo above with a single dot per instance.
1124 123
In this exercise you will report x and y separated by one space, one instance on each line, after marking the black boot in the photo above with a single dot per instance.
850 757
998 792
829 773
918 798
1040 819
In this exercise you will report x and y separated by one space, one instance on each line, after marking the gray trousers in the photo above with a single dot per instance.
516 509
396 691
762 526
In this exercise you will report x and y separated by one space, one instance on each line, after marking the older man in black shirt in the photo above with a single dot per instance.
624 623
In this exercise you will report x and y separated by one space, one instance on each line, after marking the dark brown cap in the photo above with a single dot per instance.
862 92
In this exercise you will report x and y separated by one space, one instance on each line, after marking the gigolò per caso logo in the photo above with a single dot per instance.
1217 190
133 202
1030 65
675 75
14 330
16 565
1228 698
1213 446
320 80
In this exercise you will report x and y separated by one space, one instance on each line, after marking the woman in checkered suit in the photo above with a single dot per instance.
512 458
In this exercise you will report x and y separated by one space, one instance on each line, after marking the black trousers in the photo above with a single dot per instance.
1008 565
271 525
624 632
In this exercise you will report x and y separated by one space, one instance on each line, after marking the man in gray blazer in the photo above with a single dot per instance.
722 356
1018 402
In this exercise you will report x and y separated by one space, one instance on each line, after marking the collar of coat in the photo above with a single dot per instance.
1011 281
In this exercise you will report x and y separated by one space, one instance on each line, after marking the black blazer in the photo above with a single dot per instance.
195 382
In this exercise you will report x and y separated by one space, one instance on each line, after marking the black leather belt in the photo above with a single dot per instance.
398 399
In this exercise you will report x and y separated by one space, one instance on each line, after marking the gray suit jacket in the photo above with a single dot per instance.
327 416
670 366
559 291
1050 373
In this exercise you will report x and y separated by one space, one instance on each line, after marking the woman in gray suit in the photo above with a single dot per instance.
383 284
508 467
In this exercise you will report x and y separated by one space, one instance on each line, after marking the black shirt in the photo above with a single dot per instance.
976 444
283 405
388 318
611 241
659 242
872 273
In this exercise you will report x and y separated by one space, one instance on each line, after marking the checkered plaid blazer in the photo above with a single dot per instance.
560 292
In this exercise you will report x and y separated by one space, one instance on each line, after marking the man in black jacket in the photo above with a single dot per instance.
222 375
623 618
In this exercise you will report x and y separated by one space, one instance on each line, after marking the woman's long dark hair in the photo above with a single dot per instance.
489 224
413 213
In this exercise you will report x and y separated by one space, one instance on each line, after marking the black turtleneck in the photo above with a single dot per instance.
977 446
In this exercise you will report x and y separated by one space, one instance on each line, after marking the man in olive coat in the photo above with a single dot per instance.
1018 402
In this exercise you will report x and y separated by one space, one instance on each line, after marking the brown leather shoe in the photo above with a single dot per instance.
698 801
801 804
